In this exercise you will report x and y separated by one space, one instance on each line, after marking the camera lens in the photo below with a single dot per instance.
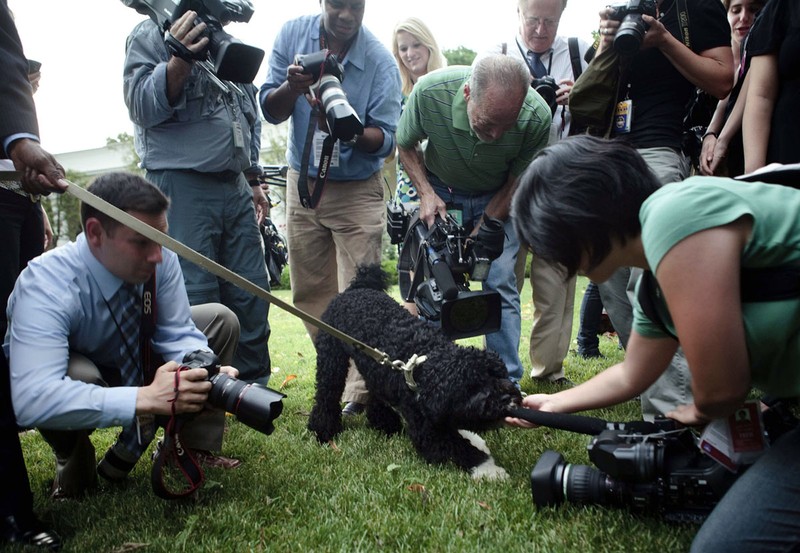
252 404
491 238
630 35
554 481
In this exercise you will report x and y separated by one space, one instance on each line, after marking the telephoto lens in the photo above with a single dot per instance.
252 404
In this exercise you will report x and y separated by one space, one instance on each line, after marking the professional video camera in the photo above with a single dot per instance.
434 268
253 404
547 87
631 31
328 73
232 60
654 468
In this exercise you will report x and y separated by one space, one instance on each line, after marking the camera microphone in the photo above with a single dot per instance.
582 424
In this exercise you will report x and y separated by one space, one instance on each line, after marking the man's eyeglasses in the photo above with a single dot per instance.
536 21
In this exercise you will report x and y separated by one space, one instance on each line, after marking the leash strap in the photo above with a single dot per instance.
209 265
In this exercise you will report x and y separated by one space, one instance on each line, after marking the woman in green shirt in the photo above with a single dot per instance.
594 206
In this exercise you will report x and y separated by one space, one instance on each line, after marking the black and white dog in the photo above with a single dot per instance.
455 390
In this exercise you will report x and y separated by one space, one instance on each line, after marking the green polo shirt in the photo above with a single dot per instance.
437 110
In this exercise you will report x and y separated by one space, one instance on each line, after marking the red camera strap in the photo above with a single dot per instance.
171 453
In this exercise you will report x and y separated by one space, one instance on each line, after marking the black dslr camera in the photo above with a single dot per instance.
651 468
547 87
328 73
253 404
435 265
232 60
631 31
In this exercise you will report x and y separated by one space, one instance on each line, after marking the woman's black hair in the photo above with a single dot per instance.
579 194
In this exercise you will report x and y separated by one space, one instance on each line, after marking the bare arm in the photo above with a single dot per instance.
704 302
430 204
711 136
710 70
500 204
732 126
645 360
280 102
759 105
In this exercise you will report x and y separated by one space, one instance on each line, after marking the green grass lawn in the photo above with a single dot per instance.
368 493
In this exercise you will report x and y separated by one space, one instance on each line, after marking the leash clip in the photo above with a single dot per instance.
408 368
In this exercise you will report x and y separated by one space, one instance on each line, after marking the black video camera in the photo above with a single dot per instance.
547 87
631 31
253 404
328 73
652 468
435 265
232 60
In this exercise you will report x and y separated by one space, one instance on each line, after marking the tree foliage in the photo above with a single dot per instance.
460 56
63 210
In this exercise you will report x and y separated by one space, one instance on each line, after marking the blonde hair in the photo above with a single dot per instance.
421 32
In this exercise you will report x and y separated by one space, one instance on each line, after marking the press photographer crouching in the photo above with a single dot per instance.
594 206
84 321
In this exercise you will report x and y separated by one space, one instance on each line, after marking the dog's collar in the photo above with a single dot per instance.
408 369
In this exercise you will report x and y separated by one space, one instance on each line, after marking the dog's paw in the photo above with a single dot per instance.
488 470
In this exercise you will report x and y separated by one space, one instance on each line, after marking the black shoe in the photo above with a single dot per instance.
353 408
34 534
77 474
591 354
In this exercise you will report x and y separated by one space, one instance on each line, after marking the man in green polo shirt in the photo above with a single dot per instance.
483 125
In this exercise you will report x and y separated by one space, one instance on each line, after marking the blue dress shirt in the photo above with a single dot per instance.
60 303
371 82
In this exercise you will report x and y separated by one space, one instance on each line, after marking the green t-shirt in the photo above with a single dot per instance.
772 329
437 110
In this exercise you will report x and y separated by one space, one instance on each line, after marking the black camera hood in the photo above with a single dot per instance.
583 424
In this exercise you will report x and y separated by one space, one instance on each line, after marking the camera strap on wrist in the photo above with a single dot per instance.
177 49
171 452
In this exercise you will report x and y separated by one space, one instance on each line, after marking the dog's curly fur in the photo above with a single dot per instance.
458 388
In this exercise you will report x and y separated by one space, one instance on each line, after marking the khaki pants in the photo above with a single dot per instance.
327 243
553 306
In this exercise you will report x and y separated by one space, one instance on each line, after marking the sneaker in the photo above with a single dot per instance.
353 408
208 459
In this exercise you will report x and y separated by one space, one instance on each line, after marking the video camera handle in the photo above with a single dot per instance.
444 277
581 424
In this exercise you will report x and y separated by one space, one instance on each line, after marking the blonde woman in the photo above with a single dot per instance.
417 53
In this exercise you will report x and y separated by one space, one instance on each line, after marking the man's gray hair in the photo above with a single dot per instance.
523 3
499 71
